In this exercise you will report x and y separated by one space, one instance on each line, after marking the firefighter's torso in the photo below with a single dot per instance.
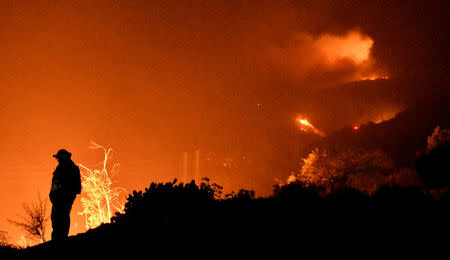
62 177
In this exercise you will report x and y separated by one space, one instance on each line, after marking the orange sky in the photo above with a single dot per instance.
153 80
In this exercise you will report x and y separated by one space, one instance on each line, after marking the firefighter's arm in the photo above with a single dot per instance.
54 189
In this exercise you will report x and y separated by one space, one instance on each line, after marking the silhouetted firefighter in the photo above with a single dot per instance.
66 184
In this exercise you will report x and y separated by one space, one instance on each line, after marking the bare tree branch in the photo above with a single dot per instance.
35 219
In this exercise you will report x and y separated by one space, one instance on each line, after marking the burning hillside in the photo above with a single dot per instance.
237 91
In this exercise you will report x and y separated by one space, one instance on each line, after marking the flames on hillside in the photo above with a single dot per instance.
306 126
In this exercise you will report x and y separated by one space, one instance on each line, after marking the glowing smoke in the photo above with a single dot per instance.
353 46
328 58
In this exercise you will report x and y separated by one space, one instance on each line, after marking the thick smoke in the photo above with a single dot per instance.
326 60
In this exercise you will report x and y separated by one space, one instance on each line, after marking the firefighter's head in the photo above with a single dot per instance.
62 155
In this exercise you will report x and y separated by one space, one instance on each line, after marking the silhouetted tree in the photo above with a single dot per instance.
241 195
35 220
168 197
433 167
359 169
437 138
217 189
4 238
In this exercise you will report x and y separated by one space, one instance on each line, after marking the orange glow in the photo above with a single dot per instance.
374 77
388 114
355 127
306 126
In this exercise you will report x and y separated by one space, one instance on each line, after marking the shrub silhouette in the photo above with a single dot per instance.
184 220
168 198
297 190
433 167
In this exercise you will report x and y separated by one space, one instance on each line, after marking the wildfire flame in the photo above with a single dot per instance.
99 199
306 126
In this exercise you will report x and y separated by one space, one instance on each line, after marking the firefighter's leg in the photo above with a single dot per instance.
56 217
66 216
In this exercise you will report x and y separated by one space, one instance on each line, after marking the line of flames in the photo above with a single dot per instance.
306 126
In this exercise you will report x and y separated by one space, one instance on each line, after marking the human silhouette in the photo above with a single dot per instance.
66 184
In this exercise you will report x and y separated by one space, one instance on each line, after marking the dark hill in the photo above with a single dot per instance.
180 221
401 138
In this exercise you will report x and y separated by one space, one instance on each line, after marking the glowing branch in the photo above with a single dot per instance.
99 199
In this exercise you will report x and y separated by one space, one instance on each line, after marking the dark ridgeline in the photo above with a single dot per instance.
177 220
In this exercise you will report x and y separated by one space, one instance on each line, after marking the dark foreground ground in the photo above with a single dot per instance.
181 221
